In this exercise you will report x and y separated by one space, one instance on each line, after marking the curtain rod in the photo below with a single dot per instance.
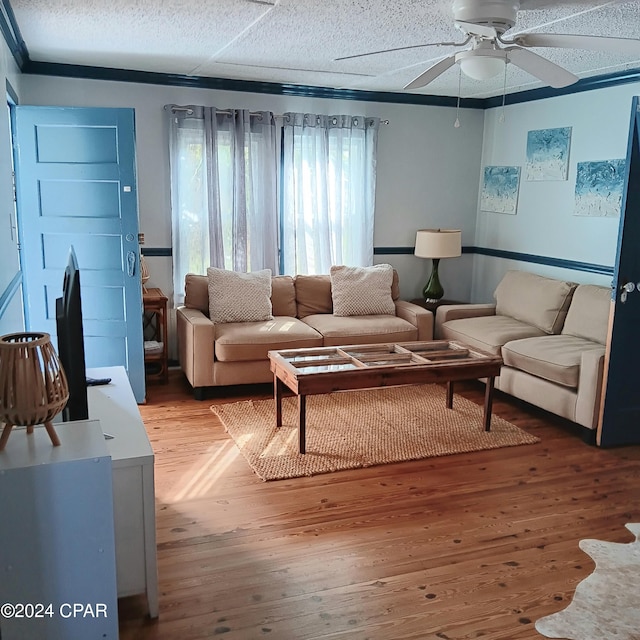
189 112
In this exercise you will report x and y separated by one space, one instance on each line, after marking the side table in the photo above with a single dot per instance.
154 324
432 306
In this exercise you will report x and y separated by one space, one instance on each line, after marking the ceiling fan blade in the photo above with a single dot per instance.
543 69
431 73
412 46
629 46
476 29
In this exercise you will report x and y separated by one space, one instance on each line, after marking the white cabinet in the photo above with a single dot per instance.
133 489
57 556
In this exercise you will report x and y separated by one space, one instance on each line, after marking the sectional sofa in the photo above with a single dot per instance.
551 335
212 354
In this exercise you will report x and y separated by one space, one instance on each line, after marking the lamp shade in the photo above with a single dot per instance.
438 243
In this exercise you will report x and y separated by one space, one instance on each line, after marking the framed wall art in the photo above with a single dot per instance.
548 154
599 188
500 189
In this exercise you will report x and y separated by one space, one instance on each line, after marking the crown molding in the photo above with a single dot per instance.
12 35
252 86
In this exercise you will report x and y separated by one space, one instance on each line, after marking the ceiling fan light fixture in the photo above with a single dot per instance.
482 67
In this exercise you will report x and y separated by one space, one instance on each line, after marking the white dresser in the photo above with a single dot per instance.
133 489
57 551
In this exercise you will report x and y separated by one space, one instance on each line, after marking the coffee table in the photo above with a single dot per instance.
326 369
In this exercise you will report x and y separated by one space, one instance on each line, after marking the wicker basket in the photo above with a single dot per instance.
33 385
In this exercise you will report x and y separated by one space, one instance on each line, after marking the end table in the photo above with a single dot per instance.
432 306
155 328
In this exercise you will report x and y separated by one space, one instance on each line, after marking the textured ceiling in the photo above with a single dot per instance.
297 41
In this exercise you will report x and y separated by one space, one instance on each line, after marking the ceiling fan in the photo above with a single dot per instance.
484 22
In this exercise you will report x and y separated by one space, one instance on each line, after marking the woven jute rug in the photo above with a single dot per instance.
352 429
606 604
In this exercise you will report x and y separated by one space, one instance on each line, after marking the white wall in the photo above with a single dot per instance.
421 160
12 320
544 224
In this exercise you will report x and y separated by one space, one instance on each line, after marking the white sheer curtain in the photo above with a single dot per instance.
328 193
223 191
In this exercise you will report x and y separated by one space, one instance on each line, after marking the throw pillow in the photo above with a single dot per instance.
362 291
239 297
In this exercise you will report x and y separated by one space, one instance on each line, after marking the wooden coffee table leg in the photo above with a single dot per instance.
488 401
450 395
277 394
302 422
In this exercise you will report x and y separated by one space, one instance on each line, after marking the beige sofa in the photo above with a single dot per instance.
236 352
551 335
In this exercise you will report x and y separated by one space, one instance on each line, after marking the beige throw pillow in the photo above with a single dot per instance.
362 291
239 297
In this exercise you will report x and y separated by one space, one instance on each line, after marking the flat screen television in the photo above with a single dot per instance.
71 342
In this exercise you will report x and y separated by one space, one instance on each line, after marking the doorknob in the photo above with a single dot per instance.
626 288
131 264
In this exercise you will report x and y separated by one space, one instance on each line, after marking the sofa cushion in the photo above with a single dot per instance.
488 333
536 300
360 291
555 358
313 294
196 292
239 297
588 315
283 296
238 341
375 329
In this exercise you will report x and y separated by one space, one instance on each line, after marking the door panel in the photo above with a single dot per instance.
620 423
75 177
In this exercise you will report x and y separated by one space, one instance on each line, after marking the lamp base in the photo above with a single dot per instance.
433 290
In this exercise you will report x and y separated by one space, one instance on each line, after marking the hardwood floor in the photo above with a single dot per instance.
458 547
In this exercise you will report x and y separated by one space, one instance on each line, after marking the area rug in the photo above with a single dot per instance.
606 604
354 429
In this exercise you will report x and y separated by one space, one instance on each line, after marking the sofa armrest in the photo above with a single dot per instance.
590 388
447 312
417 316
196 338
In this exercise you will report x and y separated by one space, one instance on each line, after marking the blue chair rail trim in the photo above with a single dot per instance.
401 251
573 265
9 292
156 252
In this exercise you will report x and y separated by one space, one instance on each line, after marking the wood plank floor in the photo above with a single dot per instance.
459 547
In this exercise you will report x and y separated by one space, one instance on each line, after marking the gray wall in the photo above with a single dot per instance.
421 157
429 174
544 224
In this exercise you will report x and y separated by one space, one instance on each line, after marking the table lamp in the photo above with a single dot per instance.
33 385
436 244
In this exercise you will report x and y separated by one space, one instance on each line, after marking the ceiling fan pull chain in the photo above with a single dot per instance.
456 124
504 92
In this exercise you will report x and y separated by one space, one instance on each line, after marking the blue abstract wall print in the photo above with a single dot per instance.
599 188
500 189
548 154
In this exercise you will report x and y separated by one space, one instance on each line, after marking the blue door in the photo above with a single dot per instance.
620 423
76 185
